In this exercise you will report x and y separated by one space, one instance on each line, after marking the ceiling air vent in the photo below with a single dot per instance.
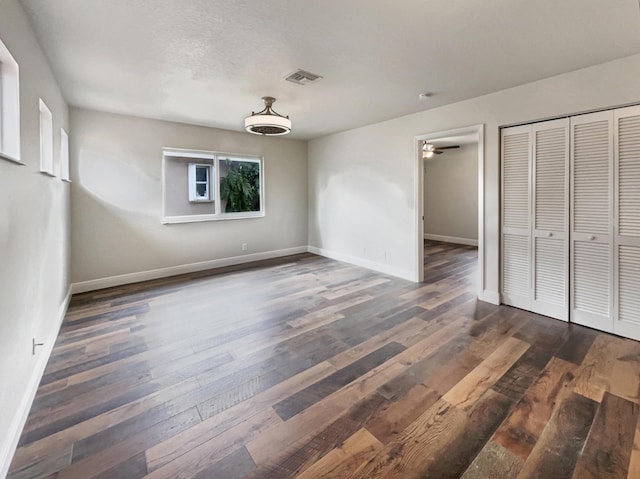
302 77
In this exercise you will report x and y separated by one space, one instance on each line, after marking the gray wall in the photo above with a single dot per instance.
117 196
451 193
34 233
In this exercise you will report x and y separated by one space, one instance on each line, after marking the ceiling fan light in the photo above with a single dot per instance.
428 150
269 125
267 122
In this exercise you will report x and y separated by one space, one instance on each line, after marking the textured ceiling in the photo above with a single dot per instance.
208 62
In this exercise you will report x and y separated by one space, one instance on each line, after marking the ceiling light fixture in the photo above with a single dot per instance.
267 122
428 150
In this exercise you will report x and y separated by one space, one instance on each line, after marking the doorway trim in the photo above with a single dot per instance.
419 200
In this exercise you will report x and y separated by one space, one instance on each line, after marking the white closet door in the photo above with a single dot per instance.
516 216
627 227
550 239
591 220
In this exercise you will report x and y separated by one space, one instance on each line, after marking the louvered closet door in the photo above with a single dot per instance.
591 220
550 245
516 216
627 227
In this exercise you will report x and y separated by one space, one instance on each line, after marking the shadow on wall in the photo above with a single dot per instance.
105 233
118 207
118 184
360 213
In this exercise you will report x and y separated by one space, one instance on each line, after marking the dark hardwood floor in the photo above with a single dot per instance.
311 368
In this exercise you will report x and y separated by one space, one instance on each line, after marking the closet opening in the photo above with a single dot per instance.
570 229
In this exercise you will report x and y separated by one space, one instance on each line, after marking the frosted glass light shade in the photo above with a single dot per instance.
271 125
267 122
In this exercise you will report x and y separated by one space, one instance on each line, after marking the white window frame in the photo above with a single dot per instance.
216 157
9 106
193 183
64 155
46 139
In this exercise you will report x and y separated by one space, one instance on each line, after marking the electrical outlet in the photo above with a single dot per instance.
245 246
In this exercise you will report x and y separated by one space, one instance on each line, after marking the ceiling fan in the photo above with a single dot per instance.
429 149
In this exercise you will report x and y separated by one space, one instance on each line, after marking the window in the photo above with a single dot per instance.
46 139
200 182
9 106
240 184
64 155
207 186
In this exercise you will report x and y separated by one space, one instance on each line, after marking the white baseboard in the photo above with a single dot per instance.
492 297
365 263
10 442
94 284
451 239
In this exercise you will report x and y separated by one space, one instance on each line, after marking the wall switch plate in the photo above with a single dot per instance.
245 246
34 345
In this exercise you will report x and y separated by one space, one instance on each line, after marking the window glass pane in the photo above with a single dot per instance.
201 173
201 190
239 185
183 196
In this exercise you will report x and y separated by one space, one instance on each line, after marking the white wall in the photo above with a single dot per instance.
34 235
117 197
361 182
451 193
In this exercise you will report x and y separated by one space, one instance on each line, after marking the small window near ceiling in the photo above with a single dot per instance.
200 184
64 155
46 139
9 106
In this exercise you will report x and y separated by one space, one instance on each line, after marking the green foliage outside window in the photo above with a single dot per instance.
240 188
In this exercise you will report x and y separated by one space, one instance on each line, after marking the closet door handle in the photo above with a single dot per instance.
591 238
549 234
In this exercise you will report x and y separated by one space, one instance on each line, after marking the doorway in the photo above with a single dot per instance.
444 143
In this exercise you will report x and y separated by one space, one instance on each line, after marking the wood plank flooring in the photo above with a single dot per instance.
311 368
